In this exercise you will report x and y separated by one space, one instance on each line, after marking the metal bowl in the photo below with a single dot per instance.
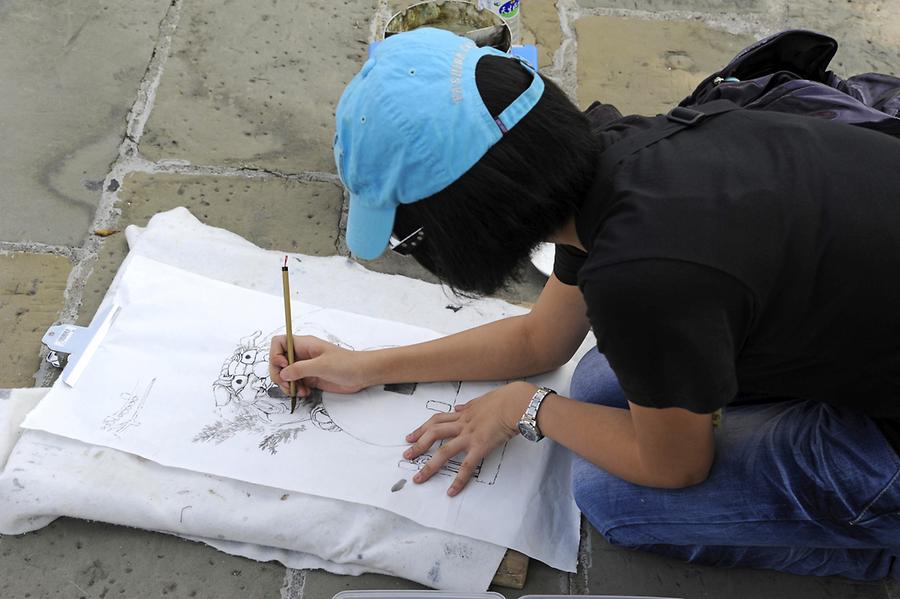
464 18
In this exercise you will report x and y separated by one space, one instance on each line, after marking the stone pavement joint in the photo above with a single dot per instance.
36 247
253 172
383 14
731 22
340 244
294 582
140 110
579 583
565 60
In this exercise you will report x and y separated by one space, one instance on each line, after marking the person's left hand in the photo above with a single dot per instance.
476 428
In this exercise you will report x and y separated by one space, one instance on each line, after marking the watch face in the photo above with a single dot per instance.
528 431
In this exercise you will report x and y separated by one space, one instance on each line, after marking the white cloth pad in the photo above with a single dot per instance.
46 476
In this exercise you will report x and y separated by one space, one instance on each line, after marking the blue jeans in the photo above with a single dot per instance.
796 486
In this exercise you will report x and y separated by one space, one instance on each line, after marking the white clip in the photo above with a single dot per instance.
80 343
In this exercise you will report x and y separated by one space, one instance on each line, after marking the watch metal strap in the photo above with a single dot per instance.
535 403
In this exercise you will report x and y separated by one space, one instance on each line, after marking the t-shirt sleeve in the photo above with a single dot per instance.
567 261
671 330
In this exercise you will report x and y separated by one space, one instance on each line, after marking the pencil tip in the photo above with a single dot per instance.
285 260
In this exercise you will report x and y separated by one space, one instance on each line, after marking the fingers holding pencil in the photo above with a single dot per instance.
278 361
318 365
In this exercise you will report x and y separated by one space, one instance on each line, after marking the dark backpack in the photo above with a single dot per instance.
787 72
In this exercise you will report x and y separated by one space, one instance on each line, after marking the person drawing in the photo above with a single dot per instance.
747 264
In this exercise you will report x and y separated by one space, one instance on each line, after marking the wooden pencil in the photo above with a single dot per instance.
288 327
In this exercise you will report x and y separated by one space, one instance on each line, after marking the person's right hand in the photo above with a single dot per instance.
318 365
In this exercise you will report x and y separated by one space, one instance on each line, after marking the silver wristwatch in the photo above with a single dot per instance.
528 424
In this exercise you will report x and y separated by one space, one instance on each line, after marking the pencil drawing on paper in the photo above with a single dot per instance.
128 415
249 402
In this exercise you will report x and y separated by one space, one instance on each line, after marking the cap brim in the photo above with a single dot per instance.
368 229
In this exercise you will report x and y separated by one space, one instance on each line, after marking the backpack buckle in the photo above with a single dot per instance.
685 116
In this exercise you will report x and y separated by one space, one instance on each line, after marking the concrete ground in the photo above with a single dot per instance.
113 110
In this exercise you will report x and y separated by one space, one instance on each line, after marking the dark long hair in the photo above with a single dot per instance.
481 229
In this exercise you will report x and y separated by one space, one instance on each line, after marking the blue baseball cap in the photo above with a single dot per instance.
411 123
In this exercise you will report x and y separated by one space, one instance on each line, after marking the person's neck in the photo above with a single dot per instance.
567 235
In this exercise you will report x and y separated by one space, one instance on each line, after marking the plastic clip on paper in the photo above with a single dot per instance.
80 343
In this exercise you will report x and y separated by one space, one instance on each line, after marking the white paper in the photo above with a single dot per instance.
180 379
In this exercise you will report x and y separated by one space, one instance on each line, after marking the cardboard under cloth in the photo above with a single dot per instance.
45 476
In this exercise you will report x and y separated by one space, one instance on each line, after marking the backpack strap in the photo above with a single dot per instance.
677 119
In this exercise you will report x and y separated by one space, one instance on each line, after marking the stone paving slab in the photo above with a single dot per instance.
540 26
892 588
273 213
616 571
319 583
740 6
541 580
78 559
256 84
868 33
32 290
646 67
64 103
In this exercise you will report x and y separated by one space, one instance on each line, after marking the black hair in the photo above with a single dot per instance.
481 229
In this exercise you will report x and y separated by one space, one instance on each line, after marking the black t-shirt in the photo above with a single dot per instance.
754 255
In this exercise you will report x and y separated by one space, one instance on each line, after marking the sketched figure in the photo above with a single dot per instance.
244 379
127 416
249 401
